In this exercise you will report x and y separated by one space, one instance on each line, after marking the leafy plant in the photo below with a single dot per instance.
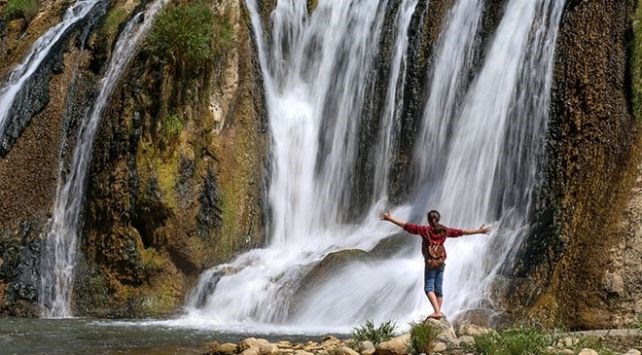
422 335
368 332
26 9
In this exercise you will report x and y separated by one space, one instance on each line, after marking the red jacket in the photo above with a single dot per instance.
429 236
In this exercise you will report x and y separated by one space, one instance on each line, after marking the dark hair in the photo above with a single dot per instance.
432 214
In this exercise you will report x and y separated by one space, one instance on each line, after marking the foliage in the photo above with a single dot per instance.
189 35
422 336
26 9
114 18
512 342
368 332
636 63
172 127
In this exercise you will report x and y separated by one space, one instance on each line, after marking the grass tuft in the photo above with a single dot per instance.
190 35
368 332
422 335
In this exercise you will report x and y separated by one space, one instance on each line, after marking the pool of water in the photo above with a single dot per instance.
99 336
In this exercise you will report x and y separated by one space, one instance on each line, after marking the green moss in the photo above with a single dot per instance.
151 164
172 127
26 9
151 262
114 18
636 63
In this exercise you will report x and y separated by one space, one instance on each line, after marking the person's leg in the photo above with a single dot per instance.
439 283
429 288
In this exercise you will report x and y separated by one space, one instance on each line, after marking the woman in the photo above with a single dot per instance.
433 237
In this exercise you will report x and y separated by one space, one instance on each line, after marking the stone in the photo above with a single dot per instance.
216 348
587 351
365 346
466 340
330 341
344 350
568 342
566 352
472 330
439 346
302 352
268 349
395 346
284 344
251 343
632 352
250 351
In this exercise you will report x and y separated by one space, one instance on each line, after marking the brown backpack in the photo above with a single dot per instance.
436 256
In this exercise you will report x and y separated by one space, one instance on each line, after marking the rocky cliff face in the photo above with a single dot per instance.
581 265
179 169
177 177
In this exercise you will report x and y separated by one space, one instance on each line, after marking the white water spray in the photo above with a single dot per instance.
59 256
315 75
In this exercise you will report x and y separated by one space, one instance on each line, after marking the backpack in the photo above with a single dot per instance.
436 256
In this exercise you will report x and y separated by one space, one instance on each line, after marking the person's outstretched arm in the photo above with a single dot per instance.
385 216
484 229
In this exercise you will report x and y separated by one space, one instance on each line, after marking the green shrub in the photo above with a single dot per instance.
172 126
512 342
422 336
114 18
368 332
26 9
182 34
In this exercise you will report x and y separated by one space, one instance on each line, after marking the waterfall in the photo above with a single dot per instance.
59 255
15 88
475 161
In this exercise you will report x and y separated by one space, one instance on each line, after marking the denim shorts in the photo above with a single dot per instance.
434 280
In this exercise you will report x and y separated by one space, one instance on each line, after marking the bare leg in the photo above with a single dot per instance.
440 302
436 305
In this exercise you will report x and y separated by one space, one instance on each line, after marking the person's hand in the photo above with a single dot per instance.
384 216
484 229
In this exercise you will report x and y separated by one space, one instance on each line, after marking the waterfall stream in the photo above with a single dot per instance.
59 255
15 86
476 161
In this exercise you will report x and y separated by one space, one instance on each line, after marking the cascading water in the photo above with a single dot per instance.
315 72
40 50
59 255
